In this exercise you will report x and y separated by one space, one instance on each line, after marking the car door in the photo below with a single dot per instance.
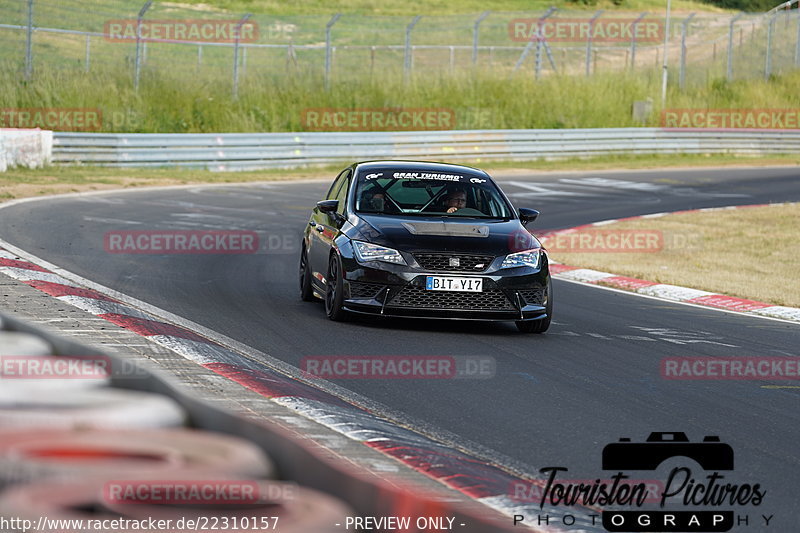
324 227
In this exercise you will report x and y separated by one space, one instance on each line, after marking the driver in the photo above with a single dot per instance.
374 200
455 199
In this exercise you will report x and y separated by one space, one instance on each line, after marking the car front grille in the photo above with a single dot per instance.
533 296
488 300
364 290
442 262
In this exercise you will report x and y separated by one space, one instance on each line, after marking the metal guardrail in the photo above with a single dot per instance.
252 151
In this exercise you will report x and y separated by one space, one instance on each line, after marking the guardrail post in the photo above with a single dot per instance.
407 54
684 31
633 38
475 36
729 74
88 52
589 42
29 43
238 32
768 61
328 27
138 63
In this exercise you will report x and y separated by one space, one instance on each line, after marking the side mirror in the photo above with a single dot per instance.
328 206
527 215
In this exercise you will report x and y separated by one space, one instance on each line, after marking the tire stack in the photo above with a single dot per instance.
64 440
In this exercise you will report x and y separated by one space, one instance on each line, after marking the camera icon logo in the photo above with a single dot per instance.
711 454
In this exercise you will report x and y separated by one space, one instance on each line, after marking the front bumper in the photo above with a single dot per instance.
397 290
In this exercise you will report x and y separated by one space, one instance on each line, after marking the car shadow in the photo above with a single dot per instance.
470 327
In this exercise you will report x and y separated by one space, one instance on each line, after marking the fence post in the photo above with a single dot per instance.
88 52
540 42
535 37
328 27
407 56
589 42
199 56
768 62
633 38
797 42
452 58
238 32
684 31
291 57
665 64
475 36
29 43
729 74
138 64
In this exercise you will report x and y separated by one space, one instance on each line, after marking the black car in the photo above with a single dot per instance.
414 239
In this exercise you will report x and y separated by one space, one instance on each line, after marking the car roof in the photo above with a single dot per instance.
423 166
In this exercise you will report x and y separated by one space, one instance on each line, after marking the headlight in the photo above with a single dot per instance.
372 252
528 258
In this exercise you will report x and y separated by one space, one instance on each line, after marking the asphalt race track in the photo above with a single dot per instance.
556 399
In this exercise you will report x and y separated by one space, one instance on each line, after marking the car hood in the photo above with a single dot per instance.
445 234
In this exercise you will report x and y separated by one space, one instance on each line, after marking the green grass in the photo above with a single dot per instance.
702 251
76 12
179 93
271 103
441 7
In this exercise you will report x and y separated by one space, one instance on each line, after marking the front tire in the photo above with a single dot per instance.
543 324
334 293
306 290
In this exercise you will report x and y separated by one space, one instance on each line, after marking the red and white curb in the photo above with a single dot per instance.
469 475
670 292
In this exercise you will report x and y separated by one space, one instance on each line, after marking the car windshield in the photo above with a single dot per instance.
432 193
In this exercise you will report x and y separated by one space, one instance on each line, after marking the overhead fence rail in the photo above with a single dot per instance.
248 151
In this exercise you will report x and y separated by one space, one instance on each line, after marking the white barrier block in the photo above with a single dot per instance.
25 148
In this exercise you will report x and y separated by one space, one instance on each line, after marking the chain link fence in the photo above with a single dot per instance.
52 35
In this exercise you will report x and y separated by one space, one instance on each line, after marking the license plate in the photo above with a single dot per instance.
447 283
